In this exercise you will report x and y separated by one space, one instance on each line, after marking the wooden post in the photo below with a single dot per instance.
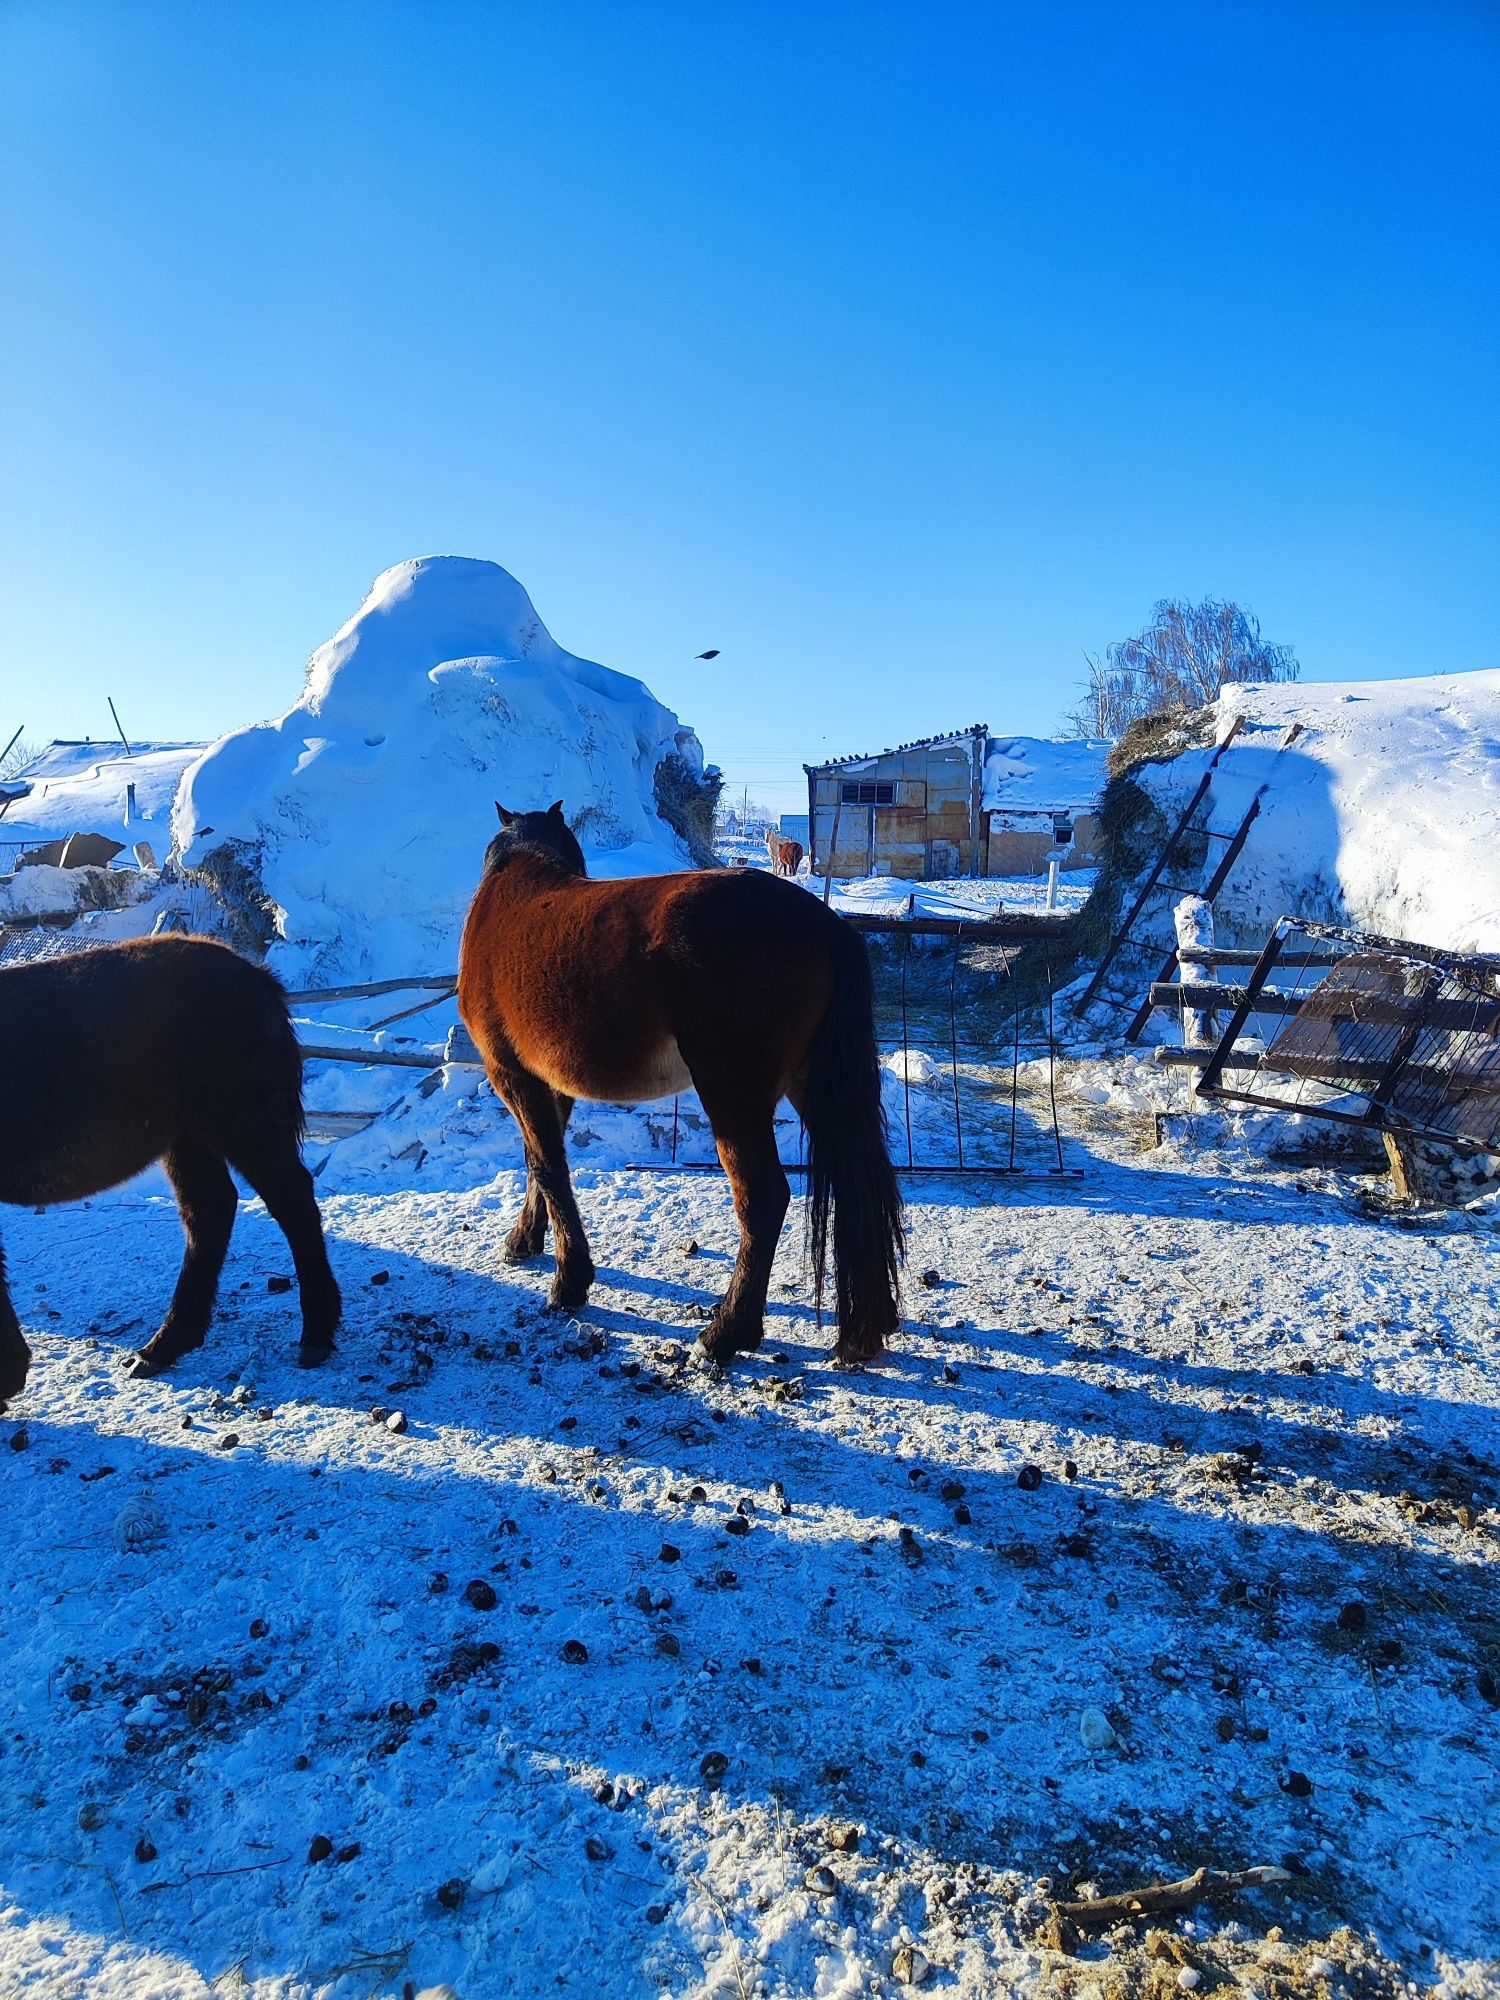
1194 920
1054 869
833 844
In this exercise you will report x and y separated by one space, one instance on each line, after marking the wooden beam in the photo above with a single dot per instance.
395 1058
373 988
1364 1010
1006 929
1248 955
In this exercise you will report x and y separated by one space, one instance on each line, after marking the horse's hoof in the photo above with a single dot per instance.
571 1289
570 1297
11 1385
313 1357
142 1366
519 1253
722 1344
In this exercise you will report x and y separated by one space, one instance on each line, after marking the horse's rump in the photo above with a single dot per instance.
117 1051
171 1049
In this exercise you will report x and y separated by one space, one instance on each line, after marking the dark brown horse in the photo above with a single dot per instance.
728 980
173 1049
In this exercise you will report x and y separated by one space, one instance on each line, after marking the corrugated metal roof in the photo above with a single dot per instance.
896 749
46 941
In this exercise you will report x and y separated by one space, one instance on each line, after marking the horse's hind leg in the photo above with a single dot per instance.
15 1355
745 1134
529 1236
206 1201
537 1109
276 1173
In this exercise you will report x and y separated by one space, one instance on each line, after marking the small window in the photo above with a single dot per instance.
1062 830
869 794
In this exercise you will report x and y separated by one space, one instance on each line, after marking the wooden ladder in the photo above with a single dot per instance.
1233 844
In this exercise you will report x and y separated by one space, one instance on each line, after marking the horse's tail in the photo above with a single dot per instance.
849 1169
274 1054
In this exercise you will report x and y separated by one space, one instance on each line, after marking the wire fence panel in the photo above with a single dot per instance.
1395 1036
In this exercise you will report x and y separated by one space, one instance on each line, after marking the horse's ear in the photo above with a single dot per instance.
555 810
506 818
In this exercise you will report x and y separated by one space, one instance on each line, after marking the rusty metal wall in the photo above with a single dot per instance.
923 833
1023 844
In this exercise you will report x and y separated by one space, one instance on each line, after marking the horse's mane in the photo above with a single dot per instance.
508 846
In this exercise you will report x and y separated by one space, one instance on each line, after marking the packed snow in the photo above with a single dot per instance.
515 1654
1380 814
520 1653
369 803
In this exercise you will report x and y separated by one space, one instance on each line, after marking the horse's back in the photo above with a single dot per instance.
607 988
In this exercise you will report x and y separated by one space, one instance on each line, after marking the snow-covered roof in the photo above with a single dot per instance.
81 788
896 749
1039 774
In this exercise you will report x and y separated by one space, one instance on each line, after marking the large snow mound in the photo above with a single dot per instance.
84 788
1381 813
366 808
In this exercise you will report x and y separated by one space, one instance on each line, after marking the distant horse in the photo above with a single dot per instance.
786 855
726 980
173 1049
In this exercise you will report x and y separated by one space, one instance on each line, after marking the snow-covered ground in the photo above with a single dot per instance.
982 896
611 1676
963 896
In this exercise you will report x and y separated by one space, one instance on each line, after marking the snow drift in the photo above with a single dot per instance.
1380 814
97 788
360 817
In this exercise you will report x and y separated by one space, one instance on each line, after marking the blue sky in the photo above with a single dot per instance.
903 353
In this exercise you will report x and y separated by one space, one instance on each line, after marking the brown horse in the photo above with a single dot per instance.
786 855
728 980
173 1049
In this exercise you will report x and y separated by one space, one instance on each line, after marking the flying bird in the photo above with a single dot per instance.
711 654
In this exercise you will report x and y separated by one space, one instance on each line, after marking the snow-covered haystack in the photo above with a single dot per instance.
1380 814
357 822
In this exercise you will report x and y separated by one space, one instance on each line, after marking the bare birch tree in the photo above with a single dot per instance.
1181 660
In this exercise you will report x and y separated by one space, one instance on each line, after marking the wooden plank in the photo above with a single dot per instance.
373 988
338 1124
1170 995
395 1058
1249 955
1010 929
1365 1010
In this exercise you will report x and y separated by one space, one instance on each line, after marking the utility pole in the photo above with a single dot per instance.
119 731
